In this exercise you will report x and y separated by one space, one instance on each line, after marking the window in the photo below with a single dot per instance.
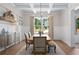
45 25
37 25
40 25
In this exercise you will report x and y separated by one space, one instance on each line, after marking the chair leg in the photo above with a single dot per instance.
48 49
26 46
54 49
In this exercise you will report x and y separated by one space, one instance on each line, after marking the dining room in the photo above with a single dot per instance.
27 25
37 29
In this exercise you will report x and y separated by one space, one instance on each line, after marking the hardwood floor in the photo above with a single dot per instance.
13 50
67 50
63 46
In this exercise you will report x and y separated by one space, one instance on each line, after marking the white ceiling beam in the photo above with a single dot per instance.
32 8
50 7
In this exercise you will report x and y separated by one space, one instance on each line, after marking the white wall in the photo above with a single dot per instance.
26 27
5 7
58 25
69 36
20 29
64 29
62 26
27 22
66 26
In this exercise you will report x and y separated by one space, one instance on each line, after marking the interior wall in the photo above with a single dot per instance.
28 23
17 14
62 26
67 26
9 27
25 27
64 29
57 25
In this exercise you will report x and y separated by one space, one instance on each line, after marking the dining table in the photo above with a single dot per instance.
42 35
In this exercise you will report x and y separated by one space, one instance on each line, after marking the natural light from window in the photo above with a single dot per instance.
41 25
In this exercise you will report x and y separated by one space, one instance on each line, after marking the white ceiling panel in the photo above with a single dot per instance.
43 14
22 5
60 5
42 5
27 11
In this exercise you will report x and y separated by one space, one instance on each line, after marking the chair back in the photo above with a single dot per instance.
39 44
26 37
29 34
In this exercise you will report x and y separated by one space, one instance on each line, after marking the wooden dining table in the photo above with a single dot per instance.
37 35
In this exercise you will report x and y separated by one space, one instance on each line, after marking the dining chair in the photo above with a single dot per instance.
51 44
27 40
39 46
29 34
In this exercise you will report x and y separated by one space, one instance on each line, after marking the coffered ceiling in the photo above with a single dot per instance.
44 8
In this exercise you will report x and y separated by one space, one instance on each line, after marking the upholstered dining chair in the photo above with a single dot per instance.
39 46
29 34
51 44
26 40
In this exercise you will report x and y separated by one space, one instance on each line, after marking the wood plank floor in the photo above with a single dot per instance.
13 50
63 46
67 50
